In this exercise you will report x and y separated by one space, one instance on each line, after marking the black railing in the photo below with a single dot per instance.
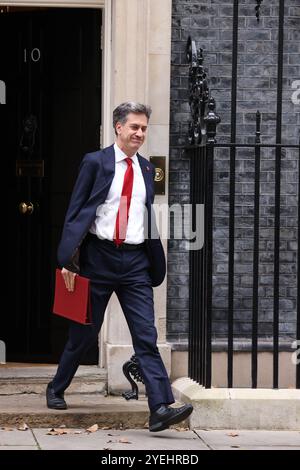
201 149
201 262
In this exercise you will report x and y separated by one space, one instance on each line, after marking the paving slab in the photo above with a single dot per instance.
231 438
141 439
17 438
19 448
131 439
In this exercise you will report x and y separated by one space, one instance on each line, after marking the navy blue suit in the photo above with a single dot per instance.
130 274
91 189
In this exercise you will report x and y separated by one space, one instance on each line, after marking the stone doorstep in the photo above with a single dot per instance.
83 411
223 408
34 379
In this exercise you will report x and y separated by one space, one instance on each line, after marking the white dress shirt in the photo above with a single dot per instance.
106 213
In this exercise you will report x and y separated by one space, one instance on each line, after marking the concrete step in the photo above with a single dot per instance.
83 411
240 408
16 379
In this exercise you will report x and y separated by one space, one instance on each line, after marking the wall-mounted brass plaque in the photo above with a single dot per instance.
160 174
31 168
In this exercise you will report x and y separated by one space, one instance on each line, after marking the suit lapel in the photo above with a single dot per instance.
108 163
147 175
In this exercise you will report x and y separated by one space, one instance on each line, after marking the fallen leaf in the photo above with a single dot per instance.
182 429
52 432
93 428
58 432
232 434
124 441
62 426
77 432
23 427
7 429
105 428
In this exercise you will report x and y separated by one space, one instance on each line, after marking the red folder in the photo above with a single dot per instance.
74 305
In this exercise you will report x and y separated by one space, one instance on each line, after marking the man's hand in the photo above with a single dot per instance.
69 278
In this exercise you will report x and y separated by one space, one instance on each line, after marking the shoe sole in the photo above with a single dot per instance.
176 419
53 407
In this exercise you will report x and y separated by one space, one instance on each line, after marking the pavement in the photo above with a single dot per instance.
180 439
103 423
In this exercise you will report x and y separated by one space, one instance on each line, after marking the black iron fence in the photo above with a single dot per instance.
201 149
201 267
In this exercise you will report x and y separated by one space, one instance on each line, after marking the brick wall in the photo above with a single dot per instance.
210 25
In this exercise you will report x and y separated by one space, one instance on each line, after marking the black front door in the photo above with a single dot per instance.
50 66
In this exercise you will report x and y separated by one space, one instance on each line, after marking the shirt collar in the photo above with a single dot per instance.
120 155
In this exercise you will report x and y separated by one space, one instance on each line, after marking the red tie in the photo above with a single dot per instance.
123 211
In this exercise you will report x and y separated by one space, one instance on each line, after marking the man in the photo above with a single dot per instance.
120 251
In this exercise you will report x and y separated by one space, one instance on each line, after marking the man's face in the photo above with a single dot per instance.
131 135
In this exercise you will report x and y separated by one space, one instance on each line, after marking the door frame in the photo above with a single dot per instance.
106 34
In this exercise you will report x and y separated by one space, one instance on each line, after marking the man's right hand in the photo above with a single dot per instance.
69 278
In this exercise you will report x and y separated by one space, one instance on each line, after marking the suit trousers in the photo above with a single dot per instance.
126 273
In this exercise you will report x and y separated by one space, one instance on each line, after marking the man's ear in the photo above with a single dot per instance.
118 127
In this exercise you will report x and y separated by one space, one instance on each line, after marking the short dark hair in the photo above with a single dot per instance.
121 112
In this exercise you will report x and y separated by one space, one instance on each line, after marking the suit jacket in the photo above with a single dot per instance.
95 177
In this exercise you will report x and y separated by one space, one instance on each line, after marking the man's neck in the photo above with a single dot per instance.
128 153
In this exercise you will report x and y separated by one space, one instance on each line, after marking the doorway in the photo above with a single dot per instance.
50 63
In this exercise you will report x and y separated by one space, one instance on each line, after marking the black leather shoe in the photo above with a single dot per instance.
54 400
165 416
